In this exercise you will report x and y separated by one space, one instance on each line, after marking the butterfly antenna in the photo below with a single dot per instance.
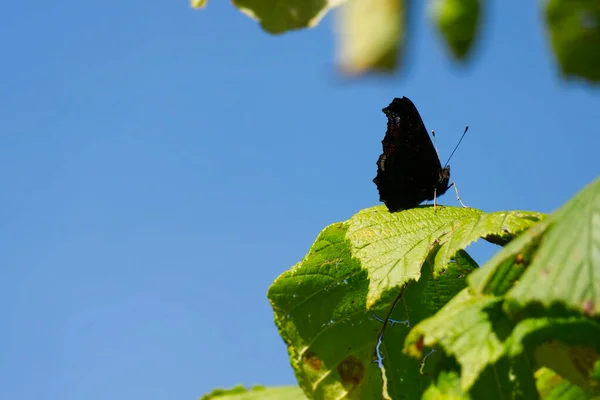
458 144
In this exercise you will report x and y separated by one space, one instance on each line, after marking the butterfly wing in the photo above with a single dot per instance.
409 170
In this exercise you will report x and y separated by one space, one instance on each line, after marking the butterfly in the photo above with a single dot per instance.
409 169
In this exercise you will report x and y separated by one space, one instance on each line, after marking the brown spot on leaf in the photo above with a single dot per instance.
351 370
419 343
545 272
311 359
519 259
588 307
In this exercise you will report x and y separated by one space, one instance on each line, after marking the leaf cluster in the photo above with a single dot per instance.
372 34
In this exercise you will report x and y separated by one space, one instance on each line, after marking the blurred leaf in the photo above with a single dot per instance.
278 16
256 393
458 22
198 3
574 28
370 35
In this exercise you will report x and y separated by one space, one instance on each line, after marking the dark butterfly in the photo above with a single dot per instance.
409 170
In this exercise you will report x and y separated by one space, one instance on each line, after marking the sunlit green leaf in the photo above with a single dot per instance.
565 270
393 246
256 393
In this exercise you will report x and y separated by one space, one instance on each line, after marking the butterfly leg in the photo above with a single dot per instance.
434 198
457 196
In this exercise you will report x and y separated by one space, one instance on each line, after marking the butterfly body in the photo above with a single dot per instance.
409 169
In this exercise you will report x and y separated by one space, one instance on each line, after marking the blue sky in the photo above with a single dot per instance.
161 166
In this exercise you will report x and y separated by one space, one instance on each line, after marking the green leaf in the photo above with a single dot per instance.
568 345
471 329
393 246
474 331
322 314
552 386
256 393
447 387
574 28
536 298
198 3
498 227
494 383
402 375
458 21
371 35
328 307
565 270
278 16
507 266
521 374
